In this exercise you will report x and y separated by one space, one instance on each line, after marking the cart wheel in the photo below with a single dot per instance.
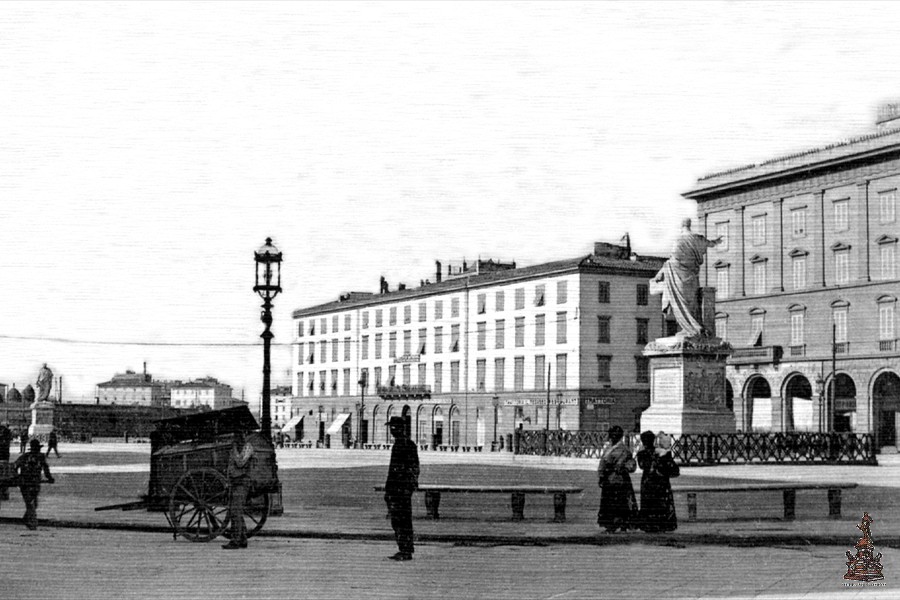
198 505
256 511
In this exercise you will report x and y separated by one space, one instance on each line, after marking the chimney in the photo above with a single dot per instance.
401 286
383 286
437 271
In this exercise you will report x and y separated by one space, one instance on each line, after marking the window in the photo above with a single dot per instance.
561 328
519 373
346 348
438 377
323 325
798 267
334 382
603 292
759 229
392 316
562 292
757 328
520 298
334 350
454 338
392 344
722 234
423 312
407 374
299 354
500 333
723 282
641 369
299 384
842 215
887 203
454 376
643 331
346 382
300 328
438 340
520 332
797 327
887 261
392 375
378 319
312 327
498 301
365 319
886 321
377 375
840 325
561 371
643 294
480 374
539 370
798 222
407 342
312 352
364 348
407 314
603 329
482 303
539 295
539 330
334 323
420 348
499 374
842 267
422 374
438 309
346 322
722 327
323 350
378 337
603 363
759 277
454 307
482 335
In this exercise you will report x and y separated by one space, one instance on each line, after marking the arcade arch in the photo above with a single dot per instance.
886 408
757 405
798 413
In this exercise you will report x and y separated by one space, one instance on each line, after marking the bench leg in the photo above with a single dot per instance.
559 508
834 503
518 506
432 504
692 506
790 501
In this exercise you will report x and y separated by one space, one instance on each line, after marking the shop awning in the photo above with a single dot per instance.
337 424
289 428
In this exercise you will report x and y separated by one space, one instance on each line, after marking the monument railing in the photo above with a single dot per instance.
712 449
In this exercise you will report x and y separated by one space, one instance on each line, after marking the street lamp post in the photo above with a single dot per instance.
268 285
496 403
362 434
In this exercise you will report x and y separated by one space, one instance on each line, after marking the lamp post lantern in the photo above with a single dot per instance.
268 285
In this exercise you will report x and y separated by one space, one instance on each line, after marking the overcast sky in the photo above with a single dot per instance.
146 150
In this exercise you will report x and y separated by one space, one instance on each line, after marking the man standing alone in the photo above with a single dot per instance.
239 464
29 467
402 481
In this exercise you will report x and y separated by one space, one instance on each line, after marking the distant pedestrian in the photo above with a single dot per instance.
657 512
402 481
239 464
29 467
618 506
23 441
52 444
6 437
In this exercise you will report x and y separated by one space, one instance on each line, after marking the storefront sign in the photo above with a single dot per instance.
408 358
540 401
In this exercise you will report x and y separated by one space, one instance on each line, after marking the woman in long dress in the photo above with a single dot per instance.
657 512
618 505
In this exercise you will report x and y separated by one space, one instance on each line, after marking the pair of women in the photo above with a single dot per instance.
618 506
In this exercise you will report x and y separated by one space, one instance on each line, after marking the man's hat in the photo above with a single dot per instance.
396 421
35 445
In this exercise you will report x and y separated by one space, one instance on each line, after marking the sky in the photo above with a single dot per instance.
147 149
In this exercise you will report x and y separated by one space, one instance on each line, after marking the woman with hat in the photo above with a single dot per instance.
617 502
657 503
29 467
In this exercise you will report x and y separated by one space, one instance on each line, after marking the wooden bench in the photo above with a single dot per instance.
517 496
789 494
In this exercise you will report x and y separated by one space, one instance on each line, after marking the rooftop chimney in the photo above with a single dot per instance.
437 271
383 289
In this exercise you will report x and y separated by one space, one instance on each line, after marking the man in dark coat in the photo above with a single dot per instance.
402 481
29 467
23 441
53 444
240 463
5 440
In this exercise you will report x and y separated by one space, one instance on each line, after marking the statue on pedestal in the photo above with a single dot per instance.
679 280
866 565
44 383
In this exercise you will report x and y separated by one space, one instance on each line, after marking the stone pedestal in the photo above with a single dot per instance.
687 386
41 420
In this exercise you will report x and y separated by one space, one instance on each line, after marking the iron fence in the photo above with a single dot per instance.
712 449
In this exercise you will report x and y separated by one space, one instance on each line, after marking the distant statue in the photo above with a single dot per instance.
679 280
44 383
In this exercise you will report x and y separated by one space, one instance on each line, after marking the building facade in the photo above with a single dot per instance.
483 350
133 389
807 284
206 391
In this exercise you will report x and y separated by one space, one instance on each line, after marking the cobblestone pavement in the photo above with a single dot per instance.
60 563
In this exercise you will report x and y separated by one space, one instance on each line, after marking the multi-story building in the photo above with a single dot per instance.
286 415
206 391
133 389
483 350
807 285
